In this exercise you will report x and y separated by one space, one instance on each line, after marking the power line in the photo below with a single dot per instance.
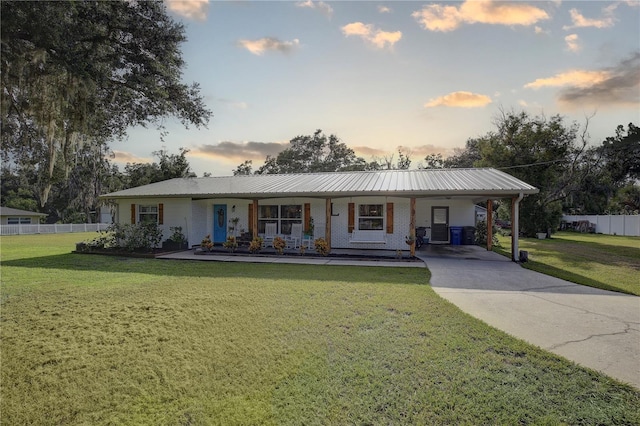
529 165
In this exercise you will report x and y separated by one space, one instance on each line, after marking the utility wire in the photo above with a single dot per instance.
529 165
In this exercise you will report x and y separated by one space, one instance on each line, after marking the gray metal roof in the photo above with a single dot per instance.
8 211
475 183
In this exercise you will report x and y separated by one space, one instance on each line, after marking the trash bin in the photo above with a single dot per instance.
469 235
456 235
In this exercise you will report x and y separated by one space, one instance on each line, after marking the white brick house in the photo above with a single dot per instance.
376 209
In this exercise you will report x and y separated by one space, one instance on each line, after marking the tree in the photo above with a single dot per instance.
546 153
169 166
621 154
244 168
609 168
81 73
311 153
466 157
433 161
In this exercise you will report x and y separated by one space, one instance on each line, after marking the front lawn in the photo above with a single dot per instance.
107 340
608 262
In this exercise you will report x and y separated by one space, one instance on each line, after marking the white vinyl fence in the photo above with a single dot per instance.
628 225
57 228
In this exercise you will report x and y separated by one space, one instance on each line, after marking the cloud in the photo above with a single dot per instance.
239 151
573 43
614 86
460 100
384 9
369 33
321 6
191 9
258 47
621 87
577 78
437 17
579 21
127 157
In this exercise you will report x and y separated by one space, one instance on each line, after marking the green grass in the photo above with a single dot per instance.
106 340
608 262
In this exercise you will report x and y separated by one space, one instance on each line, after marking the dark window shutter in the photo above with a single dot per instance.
250 218
352 217
307 216
133 214
160 214
389 218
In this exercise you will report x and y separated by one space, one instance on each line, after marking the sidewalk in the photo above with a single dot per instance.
301 260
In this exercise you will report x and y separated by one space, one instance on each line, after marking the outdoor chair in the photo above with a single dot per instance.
270 232
293 240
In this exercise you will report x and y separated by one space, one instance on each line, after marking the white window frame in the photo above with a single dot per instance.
283 223
146 212
365 220
18 221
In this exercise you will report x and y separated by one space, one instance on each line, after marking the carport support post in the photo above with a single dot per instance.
327 229
412 225
515 227
489 225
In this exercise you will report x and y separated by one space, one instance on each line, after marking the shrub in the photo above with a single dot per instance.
256 245
231 244
139 237
176 235
481 234
279 244
206 243
322 247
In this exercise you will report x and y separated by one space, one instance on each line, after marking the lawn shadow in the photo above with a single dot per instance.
200 269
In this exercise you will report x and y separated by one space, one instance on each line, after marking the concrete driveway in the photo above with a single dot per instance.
596 328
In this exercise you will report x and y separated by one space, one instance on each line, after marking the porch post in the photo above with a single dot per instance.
412 224
254 219
489 225
327 229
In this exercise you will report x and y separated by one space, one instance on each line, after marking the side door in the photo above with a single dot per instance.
439 224
219 223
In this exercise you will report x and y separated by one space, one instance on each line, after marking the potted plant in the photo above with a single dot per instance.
231 244
322 247
177 240
279 244
309 231
256 245
409 240
206 244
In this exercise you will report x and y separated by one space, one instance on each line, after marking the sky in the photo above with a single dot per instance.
419 76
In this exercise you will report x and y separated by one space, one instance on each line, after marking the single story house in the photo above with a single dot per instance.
11 216
372 209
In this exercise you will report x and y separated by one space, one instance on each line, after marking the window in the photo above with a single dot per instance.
370 217
148 214
18 221
284 216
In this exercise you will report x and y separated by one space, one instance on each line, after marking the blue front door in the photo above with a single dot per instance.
219 223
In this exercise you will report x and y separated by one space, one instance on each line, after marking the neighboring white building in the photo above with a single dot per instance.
376 209
11 216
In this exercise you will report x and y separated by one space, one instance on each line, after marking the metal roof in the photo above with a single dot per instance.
474 183
8 211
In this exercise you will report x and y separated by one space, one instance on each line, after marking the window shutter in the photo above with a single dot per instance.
389 218
250 218
160 214
307 216
352 217
133 214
